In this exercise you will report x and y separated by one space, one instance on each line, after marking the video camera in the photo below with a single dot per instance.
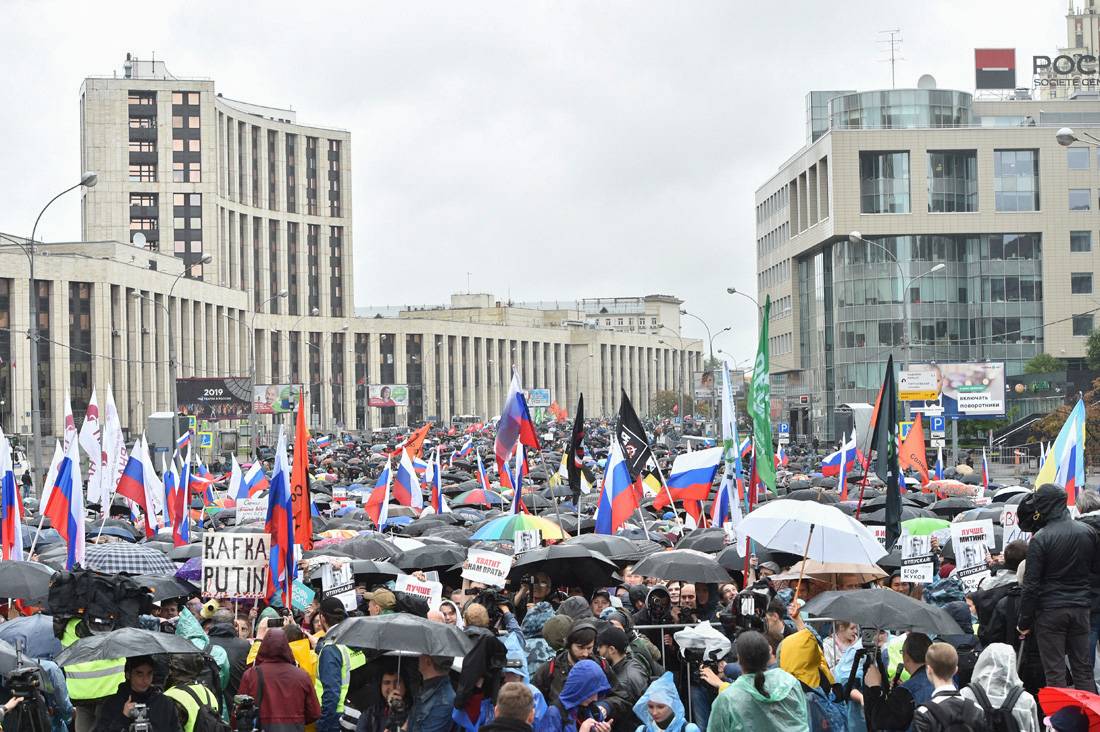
399 714
698 658
246 713
747 610
491 599
139 718
24 681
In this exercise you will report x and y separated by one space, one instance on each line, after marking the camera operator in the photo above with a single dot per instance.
629 680
893 709
137 697
580 643
658 610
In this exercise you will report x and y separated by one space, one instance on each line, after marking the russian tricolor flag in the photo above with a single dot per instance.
420 466
435 481
985 471
255 480
65 507
280 526
181 526
406 486
183 440
134 486
515 425
462 451
11 505
939 464
377 505
517 481
617 497
482 476
830 464
780 456
323 441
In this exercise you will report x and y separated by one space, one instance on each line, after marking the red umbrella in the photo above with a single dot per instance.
1053 699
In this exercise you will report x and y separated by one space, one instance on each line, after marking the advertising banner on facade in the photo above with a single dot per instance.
918 386
215 398
275 398
964 390
702 384
387 395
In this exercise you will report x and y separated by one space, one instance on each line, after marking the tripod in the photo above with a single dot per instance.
30 715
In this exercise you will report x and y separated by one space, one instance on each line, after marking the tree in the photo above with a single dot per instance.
1049 426
1092 351
1044 363
665 402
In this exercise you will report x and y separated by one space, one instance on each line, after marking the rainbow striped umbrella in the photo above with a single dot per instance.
479 497
504 528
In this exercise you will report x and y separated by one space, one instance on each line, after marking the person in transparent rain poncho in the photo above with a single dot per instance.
995 674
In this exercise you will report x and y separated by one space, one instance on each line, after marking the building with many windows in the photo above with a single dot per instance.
925 177
228 227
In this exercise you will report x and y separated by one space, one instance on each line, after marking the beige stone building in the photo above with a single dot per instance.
228 226
929 177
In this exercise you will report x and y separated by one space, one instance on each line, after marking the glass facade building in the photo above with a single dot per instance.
900 109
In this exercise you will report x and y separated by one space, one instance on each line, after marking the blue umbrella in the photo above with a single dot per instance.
46 536
36 632
116 531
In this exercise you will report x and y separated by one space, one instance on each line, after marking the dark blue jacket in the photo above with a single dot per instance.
431 710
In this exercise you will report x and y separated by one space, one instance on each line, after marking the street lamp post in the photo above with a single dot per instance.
88 180
710 340
855 237
172 365
320 355
253 423
679 371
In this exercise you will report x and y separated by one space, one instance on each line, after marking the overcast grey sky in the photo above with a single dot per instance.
553 149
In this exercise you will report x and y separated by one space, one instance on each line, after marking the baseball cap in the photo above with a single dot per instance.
333 607
385 599
613 636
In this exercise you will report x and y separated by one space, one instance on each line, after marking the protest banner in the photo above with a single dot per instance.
916 558
430 591
488 568
1011 524
526 540
972 576
880 535
234 565
972 541
339 495
301 595
251 509
338 582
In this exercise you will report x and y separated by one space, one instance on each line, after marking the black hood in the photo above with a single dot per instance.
221 630
656 592
1045 505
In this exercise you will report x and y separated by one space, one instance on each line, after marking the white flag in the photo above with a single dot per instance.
114 449
91 444
70 423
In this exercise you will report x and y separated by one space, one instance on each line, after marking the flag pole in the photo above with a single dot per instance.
671 500
553 498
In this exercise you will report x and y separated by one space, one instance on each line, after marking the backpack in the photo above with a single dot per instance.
985 601
999 719
826 714
206 719
113 599
968 658
955 713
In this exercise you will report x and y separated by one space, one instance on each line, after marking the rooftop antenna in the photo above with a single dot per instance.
467 283
895 44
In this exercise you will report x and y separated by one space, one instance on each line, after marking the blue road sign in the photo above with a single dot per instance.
784 428
937 424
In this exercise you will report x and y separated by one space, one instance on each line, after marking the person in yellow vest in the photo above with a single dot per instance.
188 692
334 666
91 682
118 710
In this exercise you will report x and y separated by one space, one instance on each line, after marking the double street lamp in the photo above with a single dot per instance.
252 421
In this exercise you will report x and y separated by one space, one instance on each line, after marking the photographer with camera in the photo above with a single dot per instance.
282 692
893 708
137 700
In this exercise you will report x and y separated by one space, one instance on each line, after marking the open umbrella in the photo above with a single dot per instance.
187 551
124 643
710 540
883 609
835 572
36 634
401 632
478 497
950 507
25 580
616 548
504 528
133 558
567 565
1054 699
164 588
685 565
431 556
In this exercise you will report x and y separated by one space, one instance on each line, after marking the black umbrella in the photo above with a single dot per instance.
710 540
371 572
364 547
165 587
730 559
25 580
8 657
883 609
891 561
949 507
570 525
616 548
813 494
877 517
685 565
187 551
567 565
401 632
430 556
992 512
124 643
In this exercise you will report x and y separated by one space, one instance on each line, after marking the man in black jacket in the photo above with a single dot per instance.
629 680
1057 597
222 632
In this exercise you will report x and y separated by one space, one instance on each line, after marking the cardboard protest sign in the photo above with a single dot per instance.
972 542
430 591
339 582
251 509
916 558
235 565
488 568
1011 523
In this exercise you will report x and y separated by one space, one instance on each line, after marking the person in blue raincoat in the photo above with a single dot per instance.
572 712
660 708
517 670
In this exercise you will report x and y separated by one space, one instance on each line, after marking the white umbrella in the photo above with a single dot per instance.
812 531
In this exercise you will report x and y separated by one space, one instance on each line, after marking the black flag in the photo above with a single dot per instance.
884 442
632 439
574 455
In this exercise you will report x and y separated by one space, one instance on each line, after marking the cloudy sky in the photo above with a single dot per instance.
554 150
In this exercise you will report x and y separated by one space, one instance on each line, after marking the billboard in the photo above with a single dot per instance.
537 397
214 398
918 385
275 398
703 384
964 390
387 395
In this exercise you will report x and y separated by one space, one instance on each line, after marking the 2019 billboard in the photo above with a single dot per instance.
964 390
214 398
537 397
275 398
387 395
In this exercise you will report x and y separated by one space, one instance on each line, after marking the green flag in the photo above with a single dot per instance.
759 406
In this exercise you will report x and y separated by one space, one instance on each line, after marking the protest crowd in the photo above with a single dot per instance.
580 575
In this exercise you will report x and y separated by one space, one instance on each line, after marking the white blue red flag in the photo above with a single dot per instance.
183 440
181 529
985 471
171 479
617 497
377 505
65 508
11 505
830 464
938 470
256 480
691 477
780 456
462 451
136 486
406 485
280 527
236 489
482 476
515 426
435 483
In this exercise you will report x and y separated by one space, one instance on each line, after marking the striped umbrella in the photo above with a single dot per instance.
478 497
504 528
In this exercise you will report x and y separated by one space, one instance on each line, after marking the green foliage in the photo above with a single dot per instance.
1044 363
1092 350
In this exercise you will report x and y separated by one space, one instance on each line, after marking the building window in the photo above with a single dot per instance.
337 378
884 182
1080 283
142 123
45 343
145 146
313 265
276 372
187 231
273 262
1080 241
1016 180
952 181
272 197
80 344
295 356
255 166
292 266
1077 158
257 284
186 138
144 217
1082 324
336 270
143 173
333 177
240 164
291 173
1079 199
311 176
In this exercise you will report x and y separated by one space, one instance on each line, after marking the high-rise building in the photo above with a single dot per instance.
967 211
